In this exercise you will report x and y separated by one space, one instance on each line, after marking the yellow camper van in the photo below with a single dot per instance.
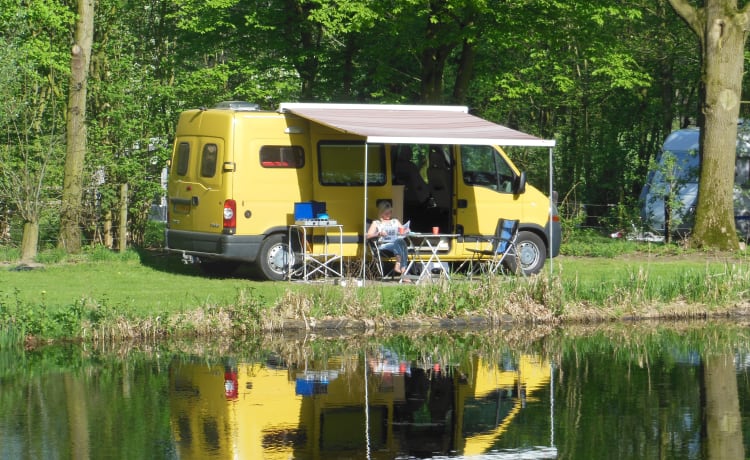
237 173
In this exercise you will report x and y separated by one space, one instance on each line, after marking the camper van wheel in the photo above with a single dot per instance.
531 254
273 258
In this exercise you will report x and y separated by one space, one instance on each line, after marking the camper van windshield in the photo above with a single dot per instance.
344 163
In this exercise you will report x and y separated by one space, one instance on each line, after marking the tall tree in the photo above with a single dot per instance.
721 28
70 230
32 65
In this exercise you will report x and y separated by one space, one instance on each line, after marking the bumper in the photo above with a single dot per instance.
213 245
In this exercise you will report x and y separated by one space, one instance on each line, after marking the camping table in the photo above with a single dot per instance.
328 262
425 251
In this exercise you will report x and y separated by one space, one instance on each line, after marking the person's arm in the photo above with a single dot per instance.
373 232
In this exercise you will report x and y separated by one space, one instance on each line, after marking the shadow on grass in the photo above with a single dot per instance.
163 261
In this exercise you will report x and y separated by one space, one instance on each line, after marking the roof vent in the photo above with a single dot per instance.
240 106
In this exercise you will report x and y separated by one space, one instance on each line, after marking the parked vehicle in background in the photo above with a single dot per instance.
673 184
237 172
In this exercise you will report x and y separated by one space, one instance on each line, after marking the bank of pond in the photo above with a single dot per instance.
671 390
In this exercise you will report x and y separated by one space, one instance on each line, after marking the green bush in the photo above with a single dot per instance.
153 236
9 253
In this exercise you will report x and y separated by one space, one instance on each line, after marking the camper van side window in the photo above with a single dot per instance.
281 156
183 158
483 166
208 161
343 163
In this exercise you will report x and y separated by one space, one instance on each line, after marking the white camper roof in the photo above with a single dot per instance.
417 124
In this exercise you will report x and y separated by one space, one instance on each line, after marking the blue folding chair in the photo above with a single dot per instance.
502 245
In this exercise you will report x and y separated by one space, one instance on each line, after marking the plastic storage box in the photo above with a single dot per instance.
306 210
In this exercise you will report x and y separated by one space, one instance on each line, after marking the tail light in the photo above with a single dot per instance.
230 216
230 384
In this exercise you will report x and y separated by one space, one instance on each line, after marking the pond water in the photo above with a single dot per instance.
639 391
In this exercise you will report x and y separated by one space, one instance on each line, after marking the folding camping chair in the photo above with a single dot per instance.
503 245
378 257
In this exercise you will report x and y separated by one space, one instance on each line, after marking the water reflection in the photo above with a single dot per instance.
626 392
381 403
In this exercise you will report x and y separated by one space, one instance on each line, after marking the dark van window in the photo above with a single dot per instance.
484 167
343 163
208 161
183 158
280 156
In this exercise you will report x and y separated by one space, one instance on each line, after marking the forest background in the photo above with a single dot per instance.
607 79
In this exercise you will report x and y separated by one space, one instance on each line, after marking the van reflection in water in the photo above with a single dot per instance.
316 409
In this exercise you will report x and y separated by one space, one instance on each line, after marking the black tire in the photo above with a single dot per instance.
273 259
531 253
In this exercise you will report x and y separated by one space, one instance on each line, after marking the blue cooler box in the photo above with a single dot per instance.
309 209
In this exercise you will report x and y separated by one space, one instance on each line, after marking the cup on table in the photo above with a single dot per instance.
435 230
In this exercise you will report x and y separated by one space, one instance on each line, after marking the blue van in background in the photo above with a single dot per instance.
682 146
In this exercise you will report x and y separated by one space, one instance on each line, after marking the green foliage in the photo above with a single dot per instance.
670 175
400 304
153 235
52 256
591 243
22 319
606 79
9 253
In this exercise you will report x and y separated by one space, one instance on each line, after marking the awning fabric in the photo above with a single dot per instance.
413 124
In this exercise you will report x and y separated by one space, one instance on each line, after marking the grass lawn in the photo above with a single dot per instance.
590 269
150 282
138 285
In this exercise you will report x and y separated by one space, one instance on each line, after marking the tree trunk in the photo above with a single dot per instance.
722 31
464 72
29 241
433 70
78 421
70 231
108 238
722 408
123 243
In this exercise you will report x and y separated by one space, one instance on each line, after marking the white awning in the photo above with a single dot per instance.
413 124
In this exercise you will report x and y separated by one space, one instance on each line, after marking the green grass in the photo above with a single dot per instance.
106 294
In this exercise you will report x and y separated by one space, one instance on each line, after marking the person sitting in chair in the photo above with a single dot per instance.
387 230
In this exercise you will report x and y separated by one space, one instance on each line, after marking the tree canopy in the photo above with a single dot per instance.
608 79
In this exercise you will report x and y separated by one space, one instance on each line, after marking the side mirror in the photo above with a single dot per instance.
519 186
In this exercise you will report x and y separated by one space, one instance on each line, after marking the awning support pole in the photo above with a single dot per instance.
551 207
364 224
